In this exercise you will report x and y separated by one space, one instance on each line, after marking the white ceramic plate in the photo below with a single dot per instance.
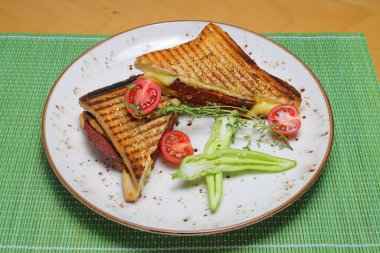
175 207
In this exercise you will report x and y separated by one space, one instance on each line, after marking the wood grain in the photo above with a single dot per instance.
110 17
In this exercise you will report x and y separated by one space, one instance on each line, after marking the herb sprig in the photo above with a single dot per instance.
135 107
214 110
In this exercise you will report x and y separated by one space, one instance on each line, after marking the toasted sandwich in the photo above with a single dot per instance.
130 144
213 68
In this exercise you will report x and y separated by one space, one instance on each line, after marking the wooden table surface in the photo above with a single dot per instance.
263 16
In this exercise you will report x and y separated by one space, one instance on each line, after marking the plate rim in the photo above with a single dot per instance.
188 232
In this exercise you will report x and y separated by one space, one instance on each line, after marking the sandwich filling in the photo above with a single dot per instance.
99 139
198 94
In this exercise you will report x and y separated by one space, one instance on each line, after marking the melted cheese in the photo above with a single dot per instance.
166 79
163 81
162 78
262 106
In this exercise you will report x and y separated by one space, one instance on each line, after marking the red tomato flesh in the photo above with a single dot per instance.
143 97
286 119
175 146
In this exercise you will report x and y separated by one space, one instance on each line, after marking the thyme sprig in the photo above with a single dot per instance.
214 110
134 107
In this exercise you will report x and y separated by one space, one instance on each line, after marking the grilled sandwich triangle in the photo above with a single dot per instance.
214 65
135 140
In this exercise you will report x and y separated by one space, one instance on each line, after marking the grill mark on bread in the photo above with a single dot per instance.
232 60
108 89
113 119
152 143
124 127
188 68
164 59
149 144
147 131
228 76
161 60
206 76
255 77
120 110
233 45
211 57
112 127
291 91
111 104
136 159
196 59
122 117
150 140
168 56
156 58
126 134
135 127
182 53
233 74
185 68
221 56
104 100
150 57
274 88
121 122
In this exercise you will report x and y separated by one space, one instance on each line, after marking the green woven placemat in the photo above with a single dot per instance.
341 211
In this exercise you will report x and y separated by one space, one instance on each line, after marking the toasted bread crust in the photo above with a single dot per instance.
106 90
216 62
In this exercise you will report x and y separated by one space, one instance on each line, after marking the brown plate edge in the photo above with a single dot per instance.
191 232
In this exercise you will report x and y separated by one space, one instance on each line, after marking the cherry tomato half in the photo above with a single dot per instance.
143 97
175 146
286 119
